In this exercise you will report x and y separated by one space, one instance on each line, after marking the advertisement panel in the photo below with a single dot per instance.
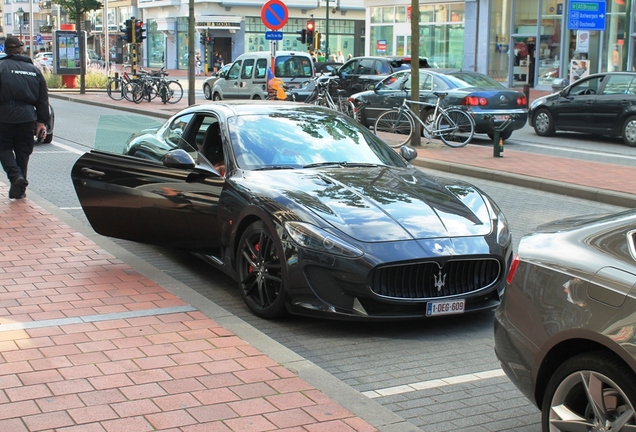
66 52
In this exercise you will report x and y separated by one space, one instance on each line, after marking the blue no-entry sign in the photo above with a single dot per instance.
587 15
274 14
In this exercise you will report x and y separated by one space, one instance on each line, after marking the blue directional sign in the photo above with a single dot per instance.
587 14
273 35
38 39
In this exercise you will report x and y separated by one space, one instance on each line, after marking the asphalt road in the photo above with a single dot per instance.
440 375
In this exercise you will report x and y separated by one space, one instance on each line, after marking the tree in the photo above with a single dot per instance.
416 138
76 10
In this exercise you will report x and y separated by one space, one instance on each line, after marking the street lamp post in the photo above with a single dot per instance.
20 13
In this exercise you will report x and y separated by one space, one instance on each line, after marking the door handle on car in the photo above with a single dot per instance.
89 172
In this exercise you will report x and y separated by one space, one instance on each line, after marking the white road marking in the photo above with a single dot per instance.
423 385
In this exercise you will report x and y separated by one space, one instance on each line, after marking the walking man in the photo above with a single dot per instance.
24 111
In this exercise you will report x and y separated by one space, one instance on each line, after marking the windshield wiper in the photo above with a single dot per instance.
319 164
344 164
275 167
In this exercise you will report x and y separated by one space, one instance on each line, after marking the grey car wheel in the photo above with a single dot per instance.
591 392
629 131
543 123
217 97
207 92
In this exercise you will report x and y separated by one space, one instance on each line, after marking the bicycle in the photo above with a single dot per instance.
453 125
152 84
322 96
120 87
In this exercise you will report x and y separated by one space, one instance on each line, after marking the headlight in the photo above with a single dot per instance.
311 237
503 233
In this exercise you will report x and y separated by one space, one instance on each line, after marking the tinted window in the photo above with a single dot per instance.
349 67
619 84
261 68
248 68
381 68
234 71
288 66
395 81
587 86
365 67
464 79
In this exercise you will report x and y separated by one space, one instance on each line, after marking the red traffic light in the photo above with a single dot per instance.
310 26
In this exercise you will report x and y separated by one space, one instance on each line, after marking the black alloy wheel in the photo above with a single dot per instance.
260 272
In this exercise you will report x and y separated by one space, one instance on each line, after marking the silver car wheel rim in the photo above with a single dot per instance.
591 399
542 122
630 131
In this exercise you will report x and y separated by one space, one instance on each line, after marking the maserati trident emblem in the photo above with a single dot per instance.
440 280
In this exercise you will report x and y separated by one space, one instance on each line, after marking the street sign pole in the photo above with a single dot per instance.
274 14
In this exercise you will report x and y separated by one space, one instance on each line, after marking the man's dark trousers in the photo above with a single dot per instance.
16 145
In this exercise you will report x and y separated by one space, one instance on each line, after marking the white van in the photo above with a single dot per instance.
247 78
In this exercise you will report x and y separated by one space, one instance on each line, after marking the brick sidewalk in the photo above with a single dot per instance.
89 344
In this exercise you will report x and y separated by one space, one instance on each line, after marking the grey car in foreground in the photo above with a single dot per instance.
565 331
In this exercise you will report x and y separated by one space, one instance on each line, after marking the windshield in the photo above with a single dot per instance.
294 139
288 66
466 79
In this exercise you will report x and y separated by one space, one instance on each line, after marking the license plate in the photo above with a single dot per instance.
294 85
502 117
445 307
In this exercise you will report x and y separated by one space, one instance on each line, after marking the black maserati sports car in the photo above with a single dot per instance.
305 208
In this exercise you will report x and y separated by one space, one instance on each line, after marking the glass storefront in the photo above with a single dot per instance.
530 43
441 32
156 46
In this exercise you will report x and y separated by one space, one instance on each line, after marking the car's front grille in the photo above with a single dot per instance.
432 280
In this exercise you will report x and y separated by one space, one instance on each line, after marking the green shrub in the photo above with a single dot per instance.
95 78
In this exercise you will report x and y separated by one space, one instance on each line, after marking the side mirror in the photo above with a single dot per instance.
178 158
408 153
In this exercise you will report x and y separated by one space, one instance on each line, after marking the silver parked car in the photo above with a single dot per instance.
565 331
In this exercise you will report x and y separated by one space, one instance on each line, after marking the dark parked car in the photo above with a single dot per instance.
308 211
490 103
208 84
326 67
565 331
603 104
357 73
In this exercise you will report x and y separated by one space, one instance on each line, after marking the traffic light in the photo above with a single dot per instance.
303 36
139 31
209 39
311 27
127 30
203 37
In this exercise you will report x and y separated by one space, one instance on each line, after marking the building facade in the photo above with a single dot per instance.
516 42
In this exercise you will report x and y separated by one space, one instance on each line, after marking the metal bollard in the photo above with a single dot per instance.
116 80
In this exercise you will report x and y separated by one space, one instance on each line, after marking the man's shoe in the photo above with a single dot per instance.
17 188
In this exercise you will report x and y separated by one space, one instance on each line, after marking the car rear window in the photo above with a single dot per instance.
291 66
462 79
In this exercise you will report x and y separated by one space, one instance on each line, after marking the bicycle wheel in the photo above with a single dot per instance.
346 107
115 88
138 92
455 127
175 92
396 123
128 89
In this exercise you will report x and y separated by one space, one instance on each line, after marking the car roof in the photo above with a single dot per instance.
231 108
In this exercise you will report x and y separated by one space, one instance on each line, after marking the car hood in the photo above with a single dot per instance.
379 204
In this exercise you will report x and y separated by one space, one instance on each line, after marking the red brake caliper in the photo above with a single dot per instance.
256 247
